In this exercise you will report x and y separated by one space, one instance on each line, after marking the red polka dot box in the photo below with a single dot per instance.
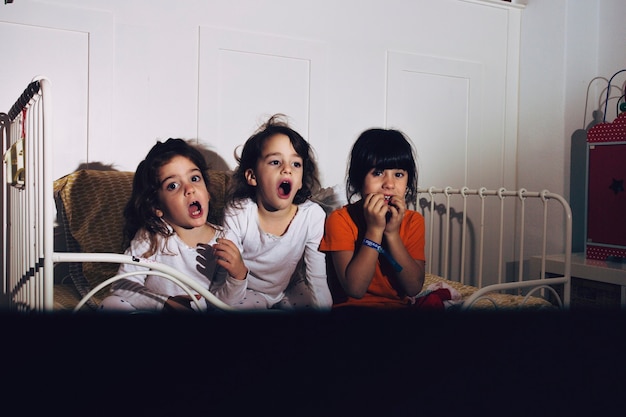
606 197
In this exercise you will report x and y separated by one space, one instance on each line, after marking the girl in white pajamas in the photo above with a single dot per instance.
166 221
275 225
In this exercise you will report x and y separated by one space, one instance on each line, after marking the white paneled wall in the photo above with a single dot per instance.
437 101
489 91
444 71
246 77
30 47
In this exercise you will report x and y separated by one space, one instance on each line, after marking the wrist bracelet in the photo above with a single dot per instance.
379 249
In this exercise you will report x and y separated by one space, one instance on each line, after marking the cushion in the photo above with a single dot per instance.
496 301
90 207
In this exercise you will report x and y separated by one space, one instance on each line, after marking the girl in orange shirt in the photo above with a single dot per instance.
376 244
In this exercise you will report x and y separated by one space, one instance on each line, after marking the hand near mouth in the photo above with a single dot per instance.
376 209
396 208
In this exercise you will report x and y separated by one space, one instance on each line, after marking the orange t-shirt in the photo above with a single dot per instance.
344 230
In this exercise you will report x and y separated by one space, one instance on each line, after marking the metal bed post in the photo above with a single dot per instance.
48 197
446 243
521 192
5 135
497 235
481 251
463 234
28 229
500 194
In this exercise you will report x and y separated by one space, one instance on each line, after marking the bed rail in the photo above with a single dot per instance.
478 237
491 255
28 213
189 285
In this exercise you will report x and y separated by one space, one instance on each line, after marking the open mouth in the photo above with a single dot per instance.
387 198
284 188
195 209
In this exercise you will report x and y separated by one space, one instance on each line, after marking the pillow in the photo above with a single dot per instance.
90 207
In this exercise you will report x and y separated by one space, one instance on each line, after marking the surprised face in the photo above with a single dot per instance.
278 174
183 195
388 182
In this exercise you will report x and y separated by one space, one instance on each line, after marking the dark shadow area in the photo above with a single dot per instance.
387 364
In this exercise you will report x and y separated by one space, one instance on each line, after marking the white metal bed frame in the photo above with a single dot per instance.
28 212
496 231
28 221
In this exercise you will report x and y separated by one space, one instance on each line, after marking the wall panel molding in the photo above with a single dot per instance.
247 76
438 103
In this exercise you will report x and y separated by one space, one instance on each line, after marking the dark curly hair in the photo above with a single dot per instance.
239 188
139 212
381 149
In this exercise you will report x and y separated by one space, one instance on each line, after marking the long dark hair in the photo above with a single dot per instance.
252 150
381 149
139 212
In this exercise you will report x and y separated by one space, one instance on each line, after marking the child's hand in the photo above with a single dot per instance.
375 209
179 304
397 208
229 257
205 252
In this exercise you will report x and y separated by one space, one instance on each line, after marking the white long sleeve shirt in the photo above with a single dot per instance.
272 260
149 292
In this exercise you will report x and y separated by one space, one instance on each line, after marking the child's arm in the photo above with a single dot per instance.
132 289
382 225
315 261
411 276
341 232
355 269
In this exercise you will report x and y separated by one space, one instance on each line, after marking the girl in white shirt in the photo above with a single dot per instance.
166 220
276 226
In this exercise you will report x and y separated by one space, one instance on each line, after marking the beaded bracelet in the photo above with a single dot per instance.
379 249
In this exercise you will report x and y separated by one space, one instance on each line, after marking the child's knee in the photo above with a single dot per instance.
114 303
